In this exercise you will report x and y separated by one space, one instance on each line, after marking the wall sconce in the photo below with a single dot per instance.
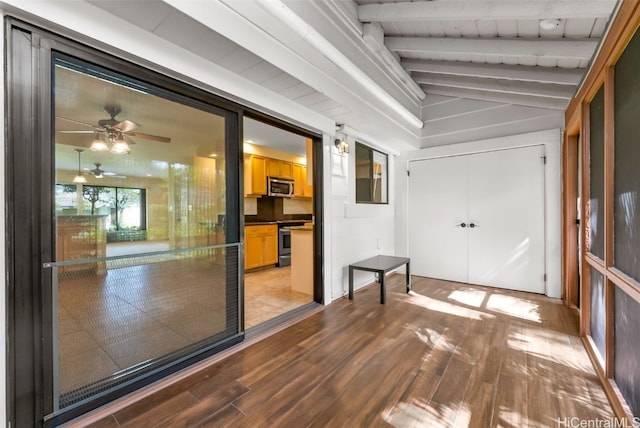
342 146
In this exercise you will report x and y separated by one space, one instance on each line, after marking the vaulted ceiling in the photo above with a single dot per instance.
526 52
405 74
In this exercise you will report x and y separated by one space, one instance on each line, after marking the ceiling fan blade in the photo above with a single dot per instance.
126 126
77 132
76 122
149 137
127 139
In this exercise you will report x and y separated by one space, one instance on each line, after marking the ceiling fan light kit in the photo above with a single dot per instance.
120 146
98 145
113 131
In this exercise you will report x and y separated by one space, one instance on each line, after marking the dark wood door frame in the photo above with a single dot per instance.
570 276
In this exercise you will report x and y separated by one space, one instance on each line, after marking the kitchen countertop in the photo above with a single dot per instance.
291 222
302 228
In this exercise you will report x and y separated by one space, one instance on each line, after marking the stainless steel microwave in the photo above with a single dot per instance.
279 187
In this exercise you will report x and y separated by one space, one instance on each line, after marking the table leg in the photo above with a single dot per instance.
350 283
408 270
382 290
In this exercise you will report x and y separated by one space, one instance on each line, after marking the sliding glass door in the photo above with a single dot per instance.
123 241
144 273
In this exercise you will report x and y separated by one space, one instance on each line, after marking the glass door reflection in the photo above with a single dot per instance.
142 271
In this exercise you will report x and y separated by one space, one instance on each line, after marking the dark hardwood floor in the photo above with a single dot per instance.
447 354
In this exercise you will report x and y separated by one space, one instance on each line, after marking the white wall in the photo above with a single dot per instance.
358 231
551 139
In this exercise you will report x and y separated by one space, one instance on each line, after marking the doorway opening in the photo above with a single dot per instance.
278 220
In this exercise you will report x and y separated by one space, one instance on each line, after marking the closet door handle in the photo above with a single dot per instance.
472 225
461 225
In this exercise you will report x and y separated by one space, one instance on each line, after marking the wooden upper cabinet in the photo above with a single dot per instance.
255 175
308 191
298 183
300 187
280 168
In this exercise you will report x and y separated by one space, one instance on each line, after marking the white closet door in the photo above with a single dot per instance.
437 204
506 203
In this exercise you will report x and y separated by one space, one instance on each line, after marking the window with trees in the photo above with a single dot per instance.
124 207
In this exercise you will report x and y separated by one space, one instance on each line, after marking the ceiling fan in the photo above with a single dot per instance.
113 130
98 172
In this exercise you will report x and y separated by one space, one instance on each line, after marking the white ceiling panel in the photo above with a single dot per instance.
281 82
213 46
298 91
496 33
239 61
261 72
326 106
153 17
180 29
599 27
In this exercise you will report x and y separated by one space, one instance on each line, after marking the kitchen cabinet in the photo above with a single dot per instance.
308 188
255 175
298 180
300 187
261 246
279 168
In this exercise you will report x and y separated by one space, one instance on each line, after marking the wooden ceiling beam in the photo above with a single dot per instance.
581 49
561 76
456 10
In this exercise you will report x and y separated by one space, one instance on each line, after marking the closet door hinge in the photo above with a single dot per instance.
408 173
544 159
545 277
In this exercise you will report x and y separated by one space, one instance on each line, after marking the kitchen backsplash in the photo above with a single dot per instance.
297 206
250 206
269 208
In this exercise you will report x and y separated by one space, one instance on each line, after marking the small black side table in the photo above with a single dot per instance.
381 265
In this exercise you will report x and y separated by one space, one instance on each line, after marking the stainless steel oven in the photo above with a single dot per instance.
284 247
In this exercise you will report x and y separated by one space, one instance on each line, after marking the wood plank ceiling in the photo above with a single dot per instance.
526 52
468 69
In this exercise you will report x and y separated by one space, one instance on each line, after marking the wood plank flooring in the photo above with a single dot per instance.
446 355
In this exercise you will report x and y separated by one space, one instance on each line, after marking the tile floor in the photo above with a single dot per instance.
268 294
109 323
